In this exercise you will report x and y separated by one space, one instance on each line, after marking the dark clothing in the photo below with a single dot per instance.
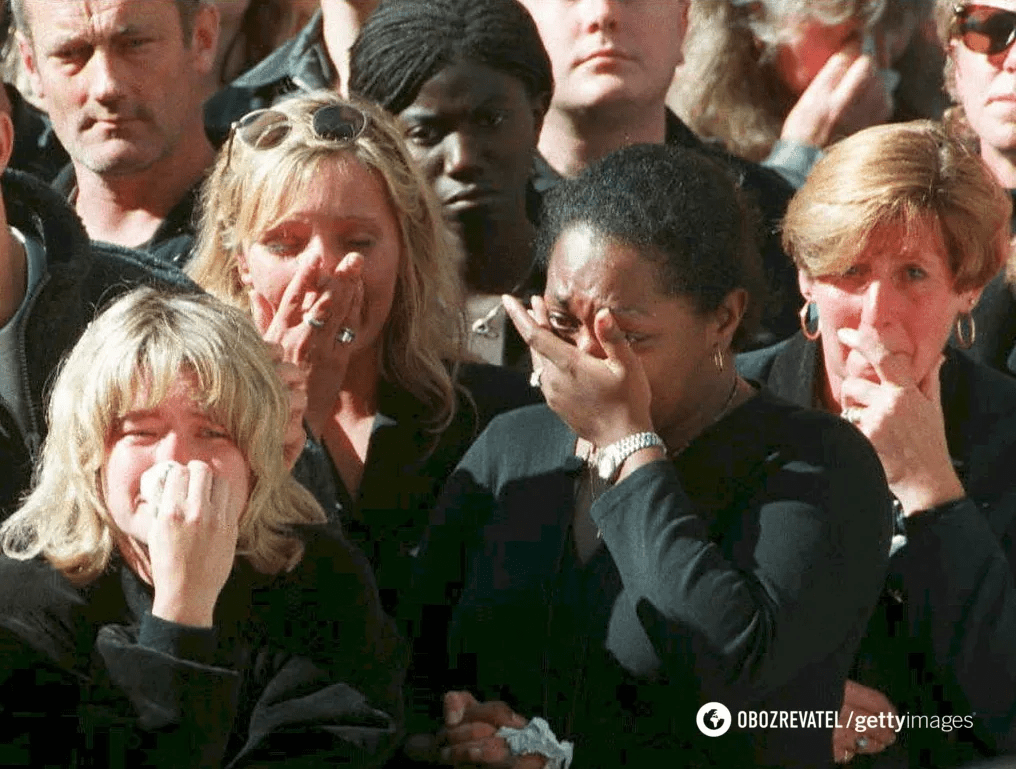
944 638
80 279
301 669
299 65
743 572
405 468
173 240
770 193
36 149
995 320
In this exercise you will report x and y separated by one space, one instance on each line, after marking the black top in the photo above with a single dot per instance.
770 193
406 466
36 149
944 638
743 572
81 278
173 240
995 322
300 669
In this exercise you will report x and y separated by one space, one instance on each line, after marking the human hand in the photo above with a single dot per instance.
334 300
192 542
904 421
470 734
848 94
861 702
602 399
295 380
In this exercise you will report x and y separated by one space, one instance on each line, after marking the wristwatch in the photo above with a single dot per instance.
610 458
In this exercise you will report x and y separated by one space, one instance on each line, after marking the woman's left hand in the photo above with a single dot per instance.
602 399
903 419
295 380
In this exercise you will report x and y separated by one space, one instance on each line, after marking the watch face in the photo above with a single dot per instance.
606 465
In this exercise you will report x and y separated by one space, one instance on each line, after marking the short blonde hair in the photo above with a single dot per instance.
249 190
139 347
902 175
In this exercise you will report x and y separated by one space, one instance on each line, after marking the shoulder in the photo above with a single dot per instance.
757 364
526 441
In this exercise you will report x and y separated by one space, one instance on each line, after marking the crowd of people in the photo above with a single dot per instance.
508 383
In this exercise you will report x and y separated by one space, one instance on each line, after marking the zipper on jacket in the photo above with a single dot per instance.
33 440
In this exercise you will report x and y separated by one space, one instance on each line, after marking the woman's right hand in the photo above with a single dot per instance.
335 299
602 399
192 543
470 735
862 702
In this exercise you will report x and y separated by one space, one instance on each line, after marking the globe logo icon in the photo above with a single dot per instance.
713 719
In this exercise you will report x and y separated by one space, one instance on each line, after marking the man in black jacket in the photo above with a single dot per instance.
613 63
52 281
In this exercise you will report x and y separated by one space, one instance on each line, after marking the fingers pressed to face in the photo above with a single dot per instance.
891 367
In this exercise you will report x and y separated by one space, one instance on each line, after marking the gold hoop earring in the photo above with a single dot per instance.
809 321
966 330
718 359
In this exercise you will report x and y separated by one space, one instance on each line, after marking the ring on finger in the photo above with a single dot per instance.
534 378
861 742
853 415
313 321
346 335
847 755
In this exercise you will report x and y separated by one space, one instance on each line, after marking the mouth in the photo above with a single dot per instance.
605 55
470 198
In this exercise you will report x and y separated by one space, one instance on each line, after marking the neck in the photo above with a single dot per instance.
1001 164
128 209
725 392
13 273
571 140
341 21
359 394
499 254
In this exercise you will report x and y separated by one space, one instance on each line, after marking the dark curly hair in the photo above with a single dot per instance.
681 210
404 43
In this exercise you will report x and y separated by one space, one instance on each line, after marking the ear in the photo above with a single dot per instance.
31 65
684 8
243 269
205 37
6 139
805 282
728 315
539 105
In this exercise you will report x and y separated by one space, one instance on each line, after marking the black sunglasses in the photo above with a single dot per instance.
985 29
264 129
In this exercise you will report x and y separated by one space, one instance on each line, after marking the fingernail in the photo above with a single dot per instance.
446 754
455 717
475 754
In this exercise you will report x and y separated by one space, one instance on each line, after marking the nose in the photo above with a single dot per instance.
325 253
175 446
599 14
104 84
1009 62
586 341
879 304
462 156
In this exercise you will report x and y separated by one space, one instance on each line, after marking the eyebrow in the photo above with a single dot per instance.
564 299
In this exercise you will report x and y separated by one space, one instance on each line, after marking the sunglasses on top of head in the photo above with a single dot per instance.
985 29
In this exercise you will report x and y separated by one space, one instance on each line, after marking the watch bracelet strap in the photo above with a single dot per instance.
624 448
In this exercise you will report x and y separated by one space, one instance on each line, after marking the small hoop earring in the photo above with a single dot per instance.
966 330
809 321
718 359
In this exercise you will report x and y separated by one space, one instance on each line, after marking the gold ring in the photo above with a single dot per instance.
312 321
346 335
534 378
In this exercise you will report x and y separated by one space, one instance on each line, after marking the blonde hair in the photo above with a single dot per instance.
250 189
728 88
140 347
901 175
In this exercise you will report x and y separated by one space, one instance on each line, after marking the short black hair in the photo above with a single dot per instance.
681 210
404 43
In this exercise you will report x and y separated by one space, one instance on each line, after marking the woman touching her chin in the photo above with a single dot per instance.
895 234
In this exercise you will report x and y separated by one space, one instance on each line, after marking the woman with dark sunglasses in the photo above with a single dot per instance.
316 220
981 77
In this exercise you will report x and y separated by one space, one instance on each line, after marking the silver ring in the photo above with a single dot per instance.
534 378
313 321
852 414
861 743
346 335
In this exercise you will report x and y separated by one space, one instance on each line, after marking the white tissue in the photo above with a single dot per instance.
153 481
537 737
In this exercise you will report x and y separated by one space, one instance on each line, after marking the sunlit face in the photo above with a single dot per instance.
901 290
117 78
809 46
606 52
346 210
985 85
674 342
177 429
474 129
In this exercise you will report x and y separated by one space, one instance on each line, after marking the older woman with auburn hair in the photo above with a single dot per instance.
895 234
169 594
316 220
